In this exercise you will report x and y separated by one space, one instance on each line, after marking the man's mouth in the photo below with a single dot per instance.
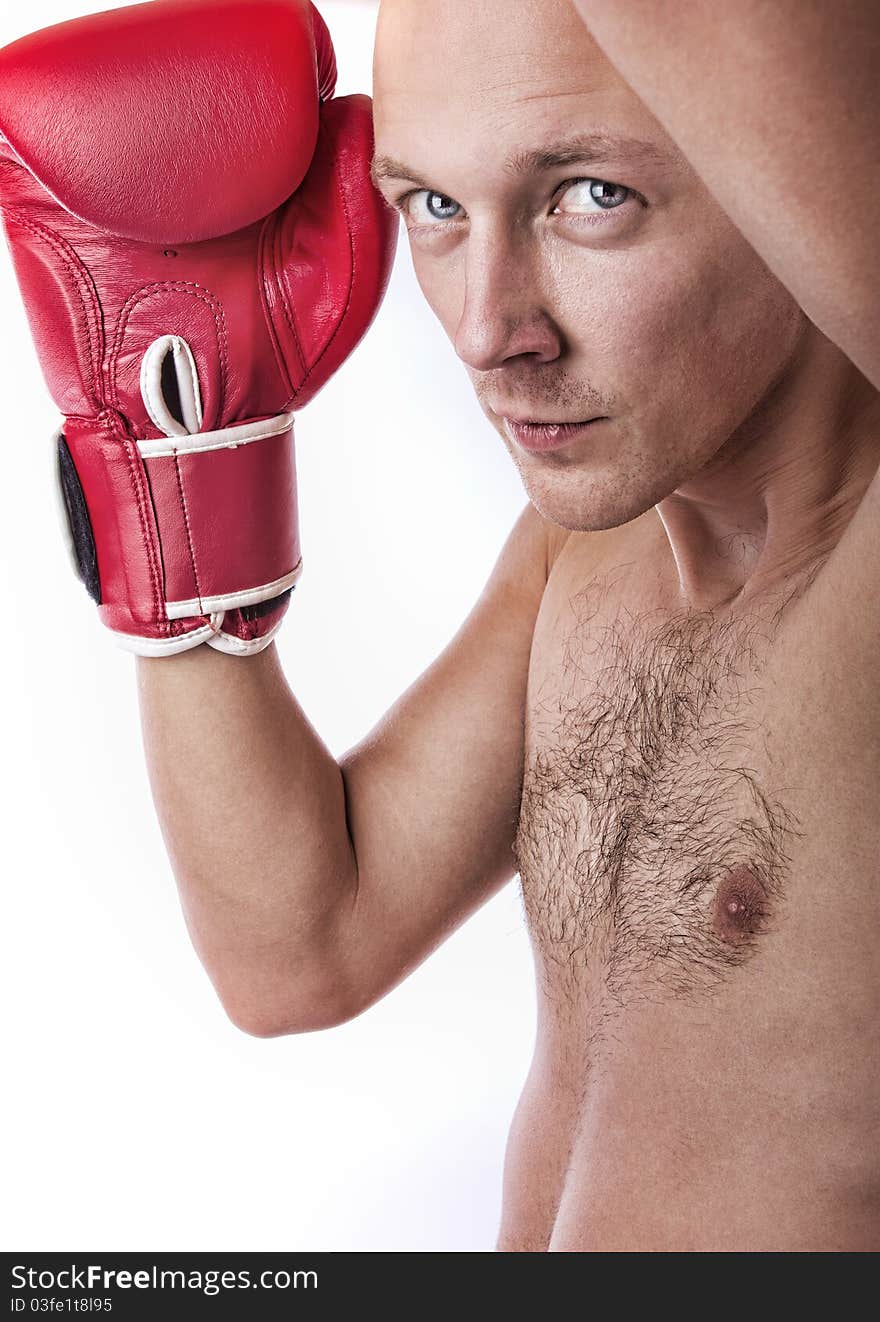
538 436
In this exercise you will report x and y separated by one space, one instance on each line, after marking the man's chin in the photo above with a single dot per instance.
576 500
586 516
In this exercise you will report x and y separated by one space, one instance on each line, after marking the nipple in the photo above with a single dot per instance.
740 905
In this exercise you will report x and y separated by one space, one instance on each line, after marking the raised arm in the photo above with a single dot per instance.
776 108
310 888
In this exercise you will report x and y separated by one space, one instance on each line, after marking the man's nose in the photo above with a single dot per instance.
503 316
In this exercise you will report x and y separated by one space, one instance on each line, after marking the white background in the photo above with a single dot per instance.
134 1115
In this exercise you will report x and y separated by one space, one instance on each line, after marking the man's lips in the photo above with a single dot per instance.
539 436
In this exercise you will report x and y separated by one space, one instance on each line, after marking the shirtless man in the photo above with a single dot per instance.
698 836
660 712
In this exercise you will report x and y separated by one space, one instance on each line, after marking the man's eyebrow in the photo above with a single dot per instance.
386 167
588 149
591 149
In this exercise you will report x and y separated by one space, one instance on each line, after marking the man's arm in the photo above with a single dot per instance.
776 107
311 888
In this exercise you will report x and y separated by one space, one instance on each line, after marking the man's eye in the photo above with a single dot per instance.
426 208
587 197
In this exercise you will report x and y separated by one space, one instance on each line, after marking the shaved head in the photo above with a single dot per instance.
487 57
579 266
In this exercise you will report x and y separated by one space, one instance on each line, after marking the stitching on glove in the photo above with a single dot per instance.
271 234
138 476
195 290
228 642
192 549
234 436
339 324
82 282
281 281
143 295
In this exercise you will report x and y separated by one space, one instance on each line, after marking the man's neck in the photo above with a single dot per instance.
779 494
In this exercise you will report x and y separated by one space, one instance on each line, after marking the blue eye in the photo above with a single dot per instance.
425 208
441 207
586 197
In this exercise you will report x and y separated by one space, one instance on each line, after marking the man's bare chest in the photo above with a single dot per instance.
656 836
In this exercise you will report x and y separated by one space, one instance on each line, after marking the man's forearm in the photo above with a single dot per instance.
252 808
775 107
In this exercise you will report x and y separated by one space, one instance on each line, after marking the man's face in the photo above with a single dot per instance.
575 260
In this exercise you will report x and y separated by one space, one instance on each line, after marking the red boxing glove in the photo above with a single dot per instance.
199 246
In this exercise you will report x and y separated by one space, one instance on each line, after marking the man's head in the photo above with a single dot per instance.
574 258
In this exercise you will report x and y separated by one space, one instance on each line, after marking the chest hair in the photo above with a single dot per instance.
652 847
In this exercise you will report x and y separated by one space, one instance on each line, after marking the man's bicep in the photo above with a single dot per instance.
433 792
